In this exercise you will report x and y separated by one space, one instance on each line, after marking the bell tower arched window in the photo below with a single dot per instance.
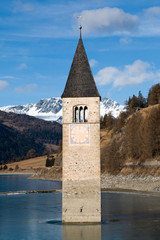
81 117
80 114
76 114
85 114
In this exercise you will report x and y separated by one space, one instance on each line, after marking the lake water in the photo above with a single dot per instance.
38 216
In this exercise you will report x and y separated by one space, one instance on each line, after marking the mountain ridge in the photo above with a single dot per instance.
51 109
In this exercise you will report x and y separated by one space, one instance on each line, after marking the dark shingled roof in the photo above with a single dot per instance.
80 82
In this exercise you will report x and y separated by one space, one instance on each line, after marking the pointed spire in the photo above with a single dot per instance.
80 82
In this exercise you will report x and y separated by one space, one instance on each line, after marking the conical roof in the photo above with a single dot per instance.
80 82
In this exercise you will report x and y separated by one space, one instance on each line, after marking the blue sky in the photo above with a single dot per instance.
38 40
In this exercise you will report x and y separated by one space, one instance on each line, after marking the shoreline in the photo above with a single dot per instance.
148 185
29 192
16 173
103 190
129 191
131 183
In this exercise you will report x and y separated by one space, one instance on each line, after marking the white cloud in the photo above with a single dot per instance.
154 11
114 21
136 73
108 20
3 85
106 75
19 6
150 22
125 40
93 62
22 66
51 19
103 50
40 76
27 89
8 77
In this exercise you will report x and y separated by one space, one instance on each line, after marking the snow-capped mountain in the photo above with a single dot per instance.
107 105
51 109
47 109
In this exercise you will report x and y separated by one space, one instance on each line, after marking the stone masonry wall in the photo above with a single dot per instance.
81 166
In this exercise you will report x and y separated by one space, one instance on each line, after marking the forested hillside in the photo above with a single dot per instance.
22 136
135 135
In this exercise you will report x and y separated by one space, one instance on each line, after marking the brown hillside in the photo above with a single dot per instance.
29 164
136 142
20 133
145 111
33 164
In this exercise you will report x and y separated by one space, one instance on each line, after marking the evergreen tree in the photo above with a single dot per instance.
154 95
120 121
31 153
112 158
135 103
5 167
108 121
152 133
50 161
141 100
133 136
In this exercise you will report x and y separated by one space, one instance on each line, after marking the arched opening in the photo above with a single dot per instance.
81 114
76 114
85 114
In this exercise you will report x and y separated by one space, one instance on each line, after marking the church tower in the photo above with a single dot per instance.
81 196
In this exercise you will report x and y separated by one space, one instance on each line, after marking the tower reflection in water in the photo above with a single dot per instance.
82 231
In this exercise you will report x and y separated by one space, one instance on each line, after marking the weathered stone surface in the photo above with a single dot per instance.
81 165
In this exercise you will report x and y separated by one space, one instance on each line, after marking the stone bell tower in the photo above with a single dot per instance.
81 196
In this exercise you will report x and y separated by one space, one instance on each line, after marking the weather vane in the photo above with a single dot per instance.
80 26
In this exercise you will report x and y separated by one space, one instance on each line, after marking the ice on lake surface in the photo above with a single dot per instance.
38 216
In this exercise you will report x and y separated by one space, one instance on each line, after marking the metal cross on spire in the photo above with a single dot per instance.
80 26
